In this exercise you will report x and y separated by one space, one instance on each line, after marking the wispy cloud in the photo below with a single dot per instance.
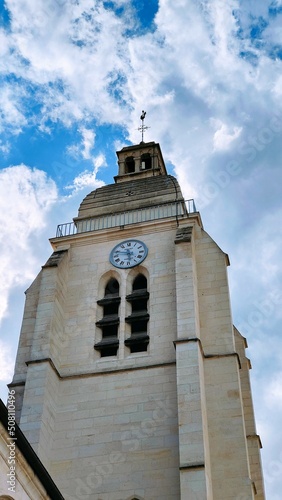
65 57
86 178
26 196
6 362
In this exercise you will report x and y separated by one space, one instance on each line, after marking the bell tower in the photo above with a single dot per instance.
143 160
131 381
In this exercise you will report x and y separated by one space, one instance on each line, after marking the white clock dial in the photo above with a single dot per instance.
128 253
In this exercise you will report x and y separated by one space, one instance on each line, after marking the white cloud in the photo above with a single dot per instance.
88 137
77 69
6 362
99 161
26 196
4 43
273 392
84 179
224 135
83 149
5 147
68 56
12 114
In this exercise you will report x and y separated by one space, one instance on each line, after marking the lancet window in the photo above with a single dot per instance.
109 324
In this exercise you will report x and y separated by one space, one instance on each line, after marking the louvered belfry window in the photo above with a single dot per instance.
109 323
139 317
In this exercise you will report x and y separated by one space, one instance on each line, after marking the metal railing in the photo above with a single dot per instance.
177 209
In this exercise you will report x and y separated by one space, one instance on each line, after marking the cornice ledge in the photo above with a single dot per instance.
16 384
256 437
97 373
225 355
193 466
184 235
44 360
208 356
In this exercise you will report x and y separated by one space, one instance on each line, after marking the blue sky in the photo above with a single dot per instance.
74 78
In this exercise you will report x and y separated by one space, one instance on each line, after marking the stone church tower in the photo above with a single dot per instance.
131 381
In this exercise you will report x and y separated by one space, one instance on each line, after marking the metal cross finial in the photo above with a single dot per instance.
143 127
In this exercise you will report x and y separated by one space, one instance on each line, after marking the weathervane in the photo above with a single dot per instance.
143 127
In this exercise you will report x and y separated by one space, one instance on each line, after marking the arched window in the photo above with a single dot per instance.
146 161
140 283
112 288
129 165
109 324
139 317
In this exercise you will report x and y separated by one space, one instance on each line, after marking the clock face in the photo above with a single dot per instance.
128 253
